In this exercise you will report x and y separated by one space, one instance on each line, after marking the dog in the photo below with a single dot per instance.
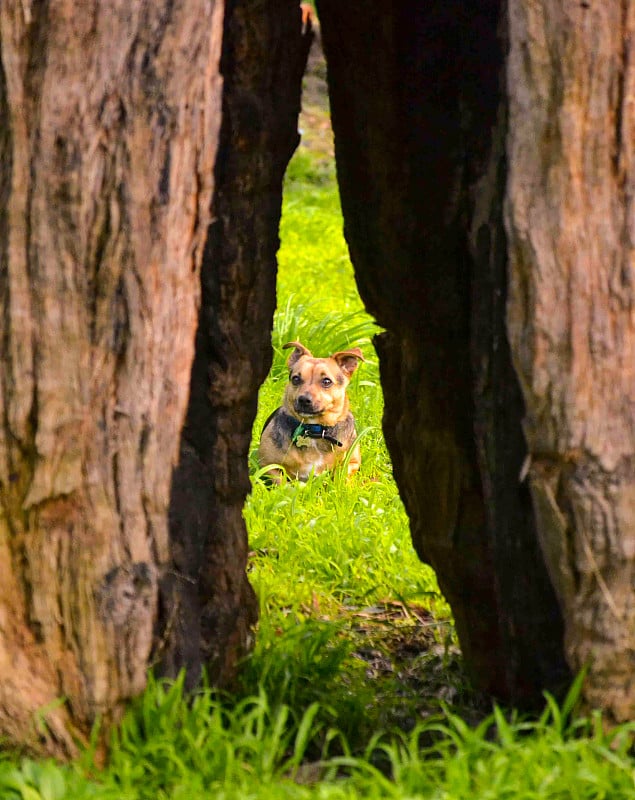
313 430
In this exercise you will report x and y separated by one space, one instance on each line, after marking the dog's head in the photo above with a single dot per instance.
317 386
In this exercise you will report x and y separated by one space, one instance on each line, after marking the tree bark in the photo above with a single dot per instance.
208 603
109 115
570 213
441 139
420 123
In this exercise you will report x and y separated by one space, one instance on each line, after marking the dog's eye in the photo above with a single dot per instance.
296 380
326 382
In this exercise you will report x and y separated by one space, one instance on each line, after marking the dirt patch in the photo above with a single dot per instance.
414 664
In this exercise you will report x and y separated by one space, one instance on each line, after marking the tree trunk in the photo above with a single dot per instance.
438 138
208 603
570 215
109 114
420 124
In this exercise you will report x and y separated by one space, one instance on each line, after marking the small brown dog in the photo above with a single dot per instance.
313 430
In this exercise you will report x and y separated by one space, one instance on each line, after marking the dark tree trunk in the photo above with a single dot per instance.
208 604
420 120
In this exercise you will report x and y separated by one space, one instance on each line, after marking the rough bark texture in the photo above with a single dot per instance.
420 121
570 214
208 603
109 114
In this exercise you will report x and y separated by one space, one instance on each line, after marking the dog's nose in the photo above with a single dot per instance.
304 403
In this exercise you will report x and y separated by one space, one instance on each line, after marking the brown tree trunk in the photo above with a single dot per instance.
570 214
420 124
208 604
109 114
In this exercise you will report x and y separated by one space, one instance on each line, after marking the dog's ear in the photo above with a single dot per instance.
348 360
299 351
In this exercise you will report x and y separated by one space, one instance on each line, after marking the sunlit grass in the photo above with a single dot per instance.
325 544
314 267
342 541
324 550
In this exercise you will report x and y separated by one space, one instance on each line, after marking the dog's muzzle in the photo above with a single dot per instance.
304 405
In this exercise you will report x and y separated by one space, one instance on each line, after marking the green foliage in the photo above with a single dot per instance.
314 267
553 757
33 781
170 746
332 542
305 664
167 741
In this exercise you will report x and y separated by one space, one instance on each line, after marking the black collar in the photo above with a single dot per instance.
314 431
309 430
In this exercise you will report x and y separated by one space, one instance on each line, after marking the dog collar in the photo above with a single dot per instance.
312 431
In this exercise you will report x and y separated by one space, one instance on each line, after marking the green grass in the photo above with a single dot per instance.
329 556
354 688
204 747
342 543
